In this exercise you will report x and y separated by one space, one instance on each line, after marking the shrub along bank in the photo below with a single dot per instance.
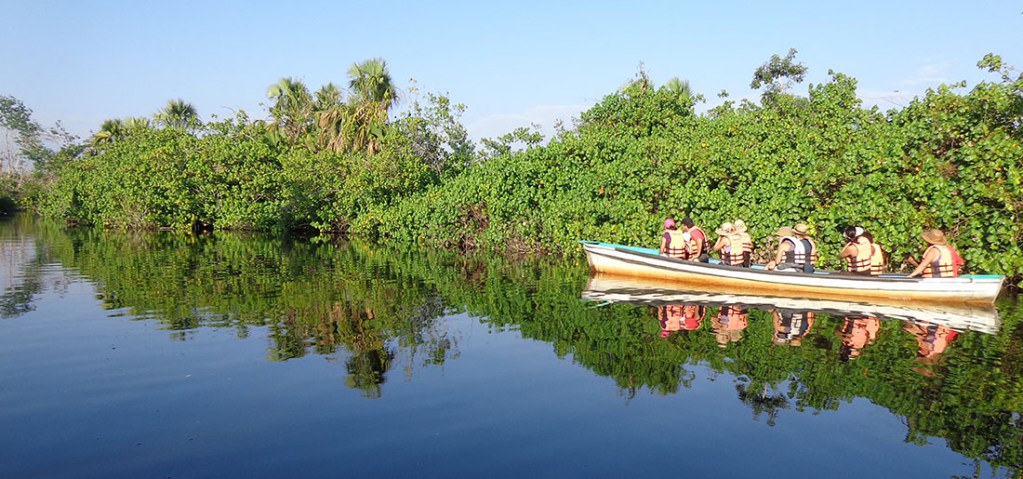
950 159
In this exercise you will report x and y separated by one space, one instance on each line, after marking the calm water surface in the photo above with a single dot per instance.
163 355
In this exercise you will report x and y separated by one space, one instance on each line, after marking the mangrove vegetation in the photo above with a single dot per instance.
343 159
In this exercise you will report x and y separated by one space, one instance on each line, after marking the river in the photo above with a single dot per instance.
227 355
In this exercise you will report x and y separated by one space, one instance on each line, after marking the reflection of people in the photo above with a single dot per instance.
673 241
856 332
932 340
795 249
940 259
729 324
670 317
679 317
790 326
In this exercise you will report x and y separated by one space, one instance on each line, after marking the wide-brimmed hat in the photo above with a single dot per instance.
725 228
740 226
785 231
934 236
669 223
800 229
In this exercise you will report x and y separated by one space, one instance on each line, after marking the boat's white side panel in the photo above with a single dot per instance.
620 261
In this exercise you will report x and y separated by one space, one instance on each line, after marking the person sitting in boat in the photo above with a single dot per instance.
729 244
747 242
857 251
877 261
697 241
940 259
673 241
795 250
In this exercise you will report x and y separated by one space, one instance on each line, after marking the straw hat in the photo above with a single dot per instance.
726 228
740 226
800 229
933 236
785 231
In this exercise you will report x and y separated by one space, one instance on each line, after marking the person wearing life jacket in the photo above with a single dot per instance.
877 261
795 250
856 332
697 241
747 242
940 259
673 241
729 244
857 251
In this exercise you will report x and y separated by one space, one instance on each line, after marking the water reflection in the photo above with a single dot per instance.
680 317
856 332
791 326
383 313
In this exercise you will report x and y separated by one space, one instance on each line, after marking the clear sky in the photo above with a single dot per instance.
510 63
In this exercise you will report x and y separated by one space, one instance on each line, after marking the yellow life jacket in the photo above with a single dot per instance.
876 259
732 255
676 247
943 267
860 263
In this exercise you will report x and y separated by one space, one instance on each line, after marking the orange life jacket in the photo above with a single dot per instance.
695 250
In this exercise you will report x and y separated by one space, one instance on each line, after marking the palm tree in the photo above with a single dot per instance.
110 131
679 89
360 124
327 97
292 108
177 114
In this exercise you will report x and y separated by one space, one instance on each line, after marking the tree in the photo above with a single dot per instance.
778 74
178 114
292 109
359 125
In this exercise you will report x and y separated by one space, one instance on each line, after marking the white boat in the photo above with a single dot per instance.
646 263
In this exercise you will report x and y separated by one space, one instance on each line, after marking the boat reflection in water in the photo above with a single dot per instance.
933 324
728 325
679 317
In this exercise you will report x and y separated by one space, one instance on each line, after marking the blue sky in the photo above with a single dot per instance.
510 63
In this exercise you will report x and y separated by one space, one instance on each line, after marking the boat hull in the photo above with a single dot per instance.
638 262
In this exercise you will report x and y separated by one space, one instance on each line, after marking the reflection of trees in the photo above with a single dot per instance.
761 402
385 309
20 272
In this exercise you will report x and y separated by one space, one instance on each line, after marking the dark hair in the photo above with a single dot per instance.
849 233
688 221
870 237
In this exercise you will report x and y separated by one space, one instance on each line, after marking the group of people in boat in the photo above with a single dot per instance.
798 251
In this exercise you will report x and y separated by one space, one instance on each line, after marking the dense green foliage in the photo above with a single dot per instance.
950 159
383 310
947 160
